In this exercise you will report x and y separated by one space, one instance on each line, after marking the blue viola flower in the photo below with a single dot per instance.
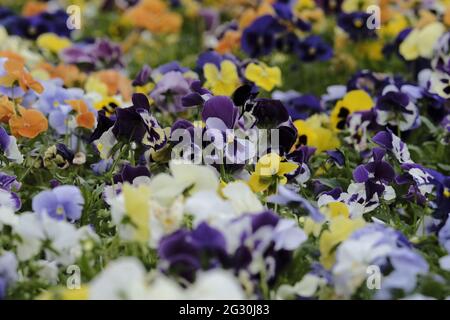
62 202
259 39
314 48
355 25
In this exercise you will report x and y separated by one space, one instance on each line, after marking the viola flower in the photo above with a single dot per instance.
396 109
223 81
108 105
155 16
299 106
420 41
52 42
84 118
8 188
263 76
382 246
6 109
8 144
169 91
28 123
93 56
355 24
313 48
258 39
355 100
15 72
375 174
63 202
389 141
270 169
197 96
313 132
340 228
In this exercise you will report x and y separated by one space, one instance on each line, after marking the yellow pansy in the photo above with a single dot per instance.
93 84
397 22
269 167
52 42
223 81
137 208
263 76
420 42
353 101
330 210
340 228
314 133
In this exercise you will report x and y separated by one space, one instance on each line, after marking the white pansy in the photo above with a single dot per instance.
123 278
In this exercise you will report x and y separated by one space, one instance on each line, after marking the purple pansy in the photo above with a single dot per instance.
169 91
62 202
259 39
314 48
356 26
101 54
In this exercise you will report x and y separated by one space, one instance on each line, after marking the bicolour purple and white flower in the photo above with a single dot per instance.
396 109
8 188
8 144
62 202
389 141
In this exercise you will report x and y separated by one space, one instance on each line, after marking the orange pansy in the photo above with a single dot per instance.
6 109
116 83
85 118
29 123
15 71
229 42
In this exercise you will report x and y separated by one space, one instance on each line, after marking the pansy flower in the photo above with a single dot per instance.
52 42
270 169
420 41
383 247
396 109
8 192
28 123
375 174
355 24
16 73
314 132
63 202
84 118
258 39
8 144
221 81
299 106
263 76
356 100
313 48
169 91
